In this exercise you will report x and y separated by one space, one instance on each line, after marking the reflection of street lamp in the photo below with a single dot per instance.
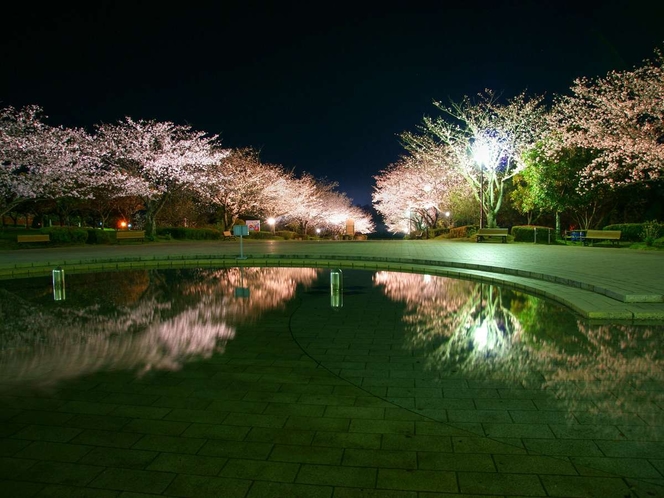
271 222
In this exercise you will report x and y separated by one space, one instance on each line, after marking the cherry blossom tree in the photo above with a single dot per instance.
415 193
485 139
241 184
619 118
152 160
38 161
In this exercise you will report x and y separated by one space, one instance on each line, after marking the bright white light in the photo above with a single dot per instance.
427 188
482 154
481 336
271 221
447 213
317 230
427 279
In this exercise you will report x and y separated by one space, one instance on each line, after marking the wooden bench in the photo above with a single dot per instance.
591 235
228 235
491 232
130 235
33 238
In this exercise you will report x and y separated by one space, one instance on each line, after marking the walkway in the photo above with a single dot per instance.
596 282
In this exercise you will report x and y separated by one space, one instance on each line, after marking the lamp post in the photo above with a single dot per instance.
271 222
482 156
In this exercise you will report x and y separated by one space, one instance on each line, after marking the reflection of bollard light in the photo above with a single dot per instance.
336 289
59 284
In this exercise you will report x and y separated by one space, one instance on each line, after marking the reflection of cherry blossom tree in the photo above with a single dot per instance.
468 326
177 316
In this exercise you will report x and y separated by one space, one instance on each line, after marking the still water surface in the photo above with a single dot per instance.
493 361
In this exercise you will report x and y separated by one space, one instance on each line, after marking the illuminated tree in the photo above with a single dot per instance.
152 160
38 161
619 119
485 141
414 194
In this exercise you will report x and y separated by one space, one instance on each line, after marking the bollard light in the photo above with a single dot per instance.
58 284
336 289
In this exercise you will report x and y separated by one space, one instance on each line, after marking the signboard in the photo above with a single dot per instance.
240 230
254 225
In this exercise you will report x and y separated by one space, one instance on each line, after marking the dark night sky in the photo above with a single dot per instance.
322 87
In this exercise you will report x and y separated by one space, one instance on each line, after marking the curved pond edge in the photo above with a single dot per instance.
589 301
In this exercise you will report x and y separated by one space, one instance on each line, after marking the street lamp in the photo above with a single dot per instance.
271 222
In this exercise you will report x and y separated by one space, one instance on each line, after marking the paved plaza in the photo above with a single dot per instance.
313 403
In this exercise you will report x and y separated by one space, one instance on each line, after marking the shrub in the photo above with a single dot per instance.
66 235
630 232
650 232
287 234
462 232
526 233
182 233
262 235
98 237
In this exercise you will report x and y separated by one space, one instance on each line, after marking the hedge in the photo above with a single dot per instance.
99 237
630 232
462 232
182 233
526 233
66 235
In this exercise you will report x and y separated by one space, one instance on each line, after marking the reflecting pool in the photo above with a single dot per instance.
461 385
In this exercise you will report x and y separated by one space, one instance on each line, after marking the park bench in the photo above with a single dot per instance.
130 235
491 232
33 238
591 235
228 235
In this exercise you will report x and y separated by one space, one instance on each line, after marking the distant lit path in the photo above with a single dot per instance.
598 282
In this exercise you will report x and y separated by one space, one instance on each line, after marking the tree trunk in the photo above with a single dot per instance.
152 208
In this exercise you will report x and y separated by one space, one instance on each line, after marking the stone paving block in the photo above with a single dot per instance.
238 406
40 417
73 474
119 457
142 481
87 407
164 427
256 420
378 400
518 431
282 436
328 475
380 458
48 433
130 399
236 449
585 487
631 449
494 416
401 414
306 454
194 415
59 491
263 489
20 489
146 412
59 452
340 492
445 429
107 438
9 447
471 444
183 403
98 422
354 412
260 470
541 417
272 397
210 431
533 464
318 424
586 431
477 462
347 440
407 442
417 480
626 467
562 447
382 426
187 464
505 404
170 444
423 404
495 483
11 467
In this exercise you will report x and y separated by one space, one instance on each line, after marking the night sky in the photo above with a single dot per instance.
321 87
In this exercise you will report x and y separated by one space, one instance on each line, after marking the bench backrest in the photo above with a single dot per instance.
606 234
134 234
227 233
33 238
492 231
